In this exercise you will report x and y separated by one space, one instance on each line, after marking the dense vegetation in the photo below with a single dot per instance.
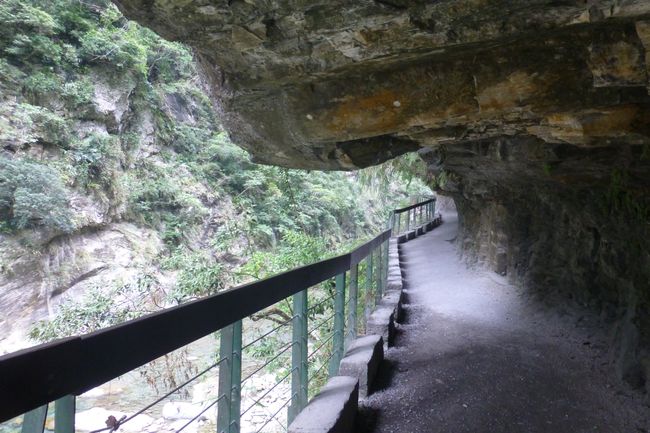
106 128
95 106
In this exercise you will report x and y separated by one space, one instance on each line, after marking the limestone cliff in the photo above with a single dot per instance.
533 114
116 177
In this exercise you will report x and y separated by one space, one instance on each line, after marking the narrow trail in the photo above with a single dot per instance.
476 355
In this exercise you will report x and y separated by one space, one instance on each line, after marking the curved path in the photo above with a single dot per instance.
475 355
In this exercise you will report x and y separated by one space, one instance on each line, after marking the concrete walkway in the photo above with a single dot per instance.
475 355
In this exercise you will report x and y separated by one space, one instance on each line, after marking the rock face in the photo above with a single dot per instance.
533 114
342 84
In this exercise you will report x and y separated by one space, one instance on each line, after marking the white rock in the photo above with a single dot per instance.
95 418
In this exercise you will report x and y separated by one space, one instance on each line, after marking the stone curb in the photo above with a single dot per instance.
362 360
394 299
332 410
382 322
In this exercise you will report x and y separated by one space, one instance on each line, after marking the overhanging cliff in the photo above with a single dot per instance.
533 114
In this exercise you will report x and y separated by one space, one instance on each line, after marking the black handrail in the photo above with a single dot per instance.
38 375
413 206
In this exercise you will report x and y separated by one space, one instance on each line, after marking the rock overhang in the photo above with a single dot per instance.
346 84
533 114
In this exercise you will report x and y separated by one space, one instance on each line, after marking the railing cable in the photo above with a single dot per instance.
200 413
118 423
287 347
267 393
286 322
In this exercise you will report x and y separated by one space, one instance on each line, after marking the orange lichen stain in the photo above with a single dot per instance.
612 121
579 127
457 112
374 114
616 64
565 126
511 93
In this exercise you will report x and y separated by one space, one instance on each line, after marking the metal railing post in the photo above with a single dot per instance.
339 325
64 411
299 378
380 274
235 394
385 276
399 224
408 220
34 420
368 298
230 379
352 309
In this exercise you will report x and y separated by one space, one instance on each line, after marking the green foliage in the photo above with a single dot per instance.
296 249
621 199
78 93
408 168
198 274
223 219
98 308
32 123
92 158
156 197
31 195
547 168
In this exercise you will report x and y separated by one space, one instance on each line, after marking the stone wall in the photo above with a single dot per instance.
571 223
533 114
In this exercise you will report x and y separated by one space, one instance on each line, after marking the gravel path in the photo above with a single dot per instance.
476 355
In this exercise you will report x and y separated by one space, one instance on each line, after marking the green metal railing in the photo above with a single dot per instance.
66 368
410 217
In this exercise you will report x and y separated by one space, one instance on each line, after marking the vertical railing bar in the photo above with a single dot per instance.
385 276
299 367
399 224
64 413
353 300
339 325
34 420
380 274
304 346
224 407
368 298
235 393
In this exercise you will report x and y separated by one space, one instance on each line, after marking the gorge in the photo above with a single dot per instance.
532 114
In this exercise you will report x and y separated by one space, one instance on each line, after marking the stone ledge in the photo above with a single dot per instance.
394 284
362 360
332 410
382 322
394 299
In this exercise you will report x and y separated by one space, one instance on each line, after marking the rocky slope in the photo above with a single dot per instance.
116 178
533 114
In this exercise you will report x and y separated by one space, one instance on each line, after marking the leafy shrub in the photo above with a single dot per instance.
31 195
198 274
92 158
78 93
43 125
295 249
116 41
98 308
42 84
